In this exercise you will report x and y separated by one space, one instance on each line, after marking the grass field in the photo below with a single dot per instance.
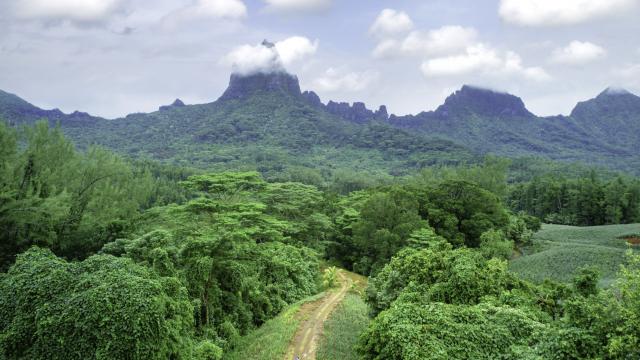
558 251
271 340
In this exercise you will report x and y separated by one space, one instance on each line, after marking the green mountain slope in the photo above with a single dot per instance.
262 121
489 121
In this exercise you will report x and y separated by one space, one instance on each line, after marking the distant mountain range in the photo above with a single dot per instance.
265 121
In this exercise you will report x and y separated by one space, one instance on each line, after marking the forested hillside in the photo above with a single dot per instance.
264 122
105 257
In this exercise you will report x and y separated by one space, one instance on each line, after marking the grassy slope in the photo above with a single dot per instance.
271 340
346 323
558 251
342 330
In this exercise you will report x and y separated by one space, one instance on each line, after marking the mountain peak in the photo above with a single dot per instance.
473 99
243 86
614 91
176 104
611 101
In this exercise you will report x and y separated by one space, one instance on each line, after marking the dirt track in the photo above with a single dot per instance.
305 342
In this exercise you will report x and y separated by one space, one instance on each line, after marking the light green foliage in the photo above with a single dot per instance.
303 207
521 228
206 350
329 277
460 276
493 244
229 252
102 308
343 329
52 196
416 331
427 238
226 183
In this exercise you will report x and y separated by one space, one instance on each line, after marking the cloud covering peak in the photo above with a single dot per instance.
268 57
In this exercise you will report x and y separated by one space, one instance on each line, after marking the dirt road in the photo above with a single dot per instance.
306 340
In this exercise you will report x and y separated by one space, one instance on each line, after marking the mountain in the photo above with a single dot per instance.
490 121
613 116
264 121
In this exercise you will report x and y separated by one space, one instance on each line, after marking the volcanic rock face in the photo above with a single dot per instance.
485 102
357 112
313 99
176 104
243 86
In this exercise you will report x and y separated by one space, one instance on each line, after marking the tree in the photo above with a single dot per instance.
462 211
385 224
103 308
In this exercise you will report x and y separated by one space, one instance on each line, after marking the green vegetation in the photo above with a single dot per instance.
584 201
448 303
342 330
105 257
558 251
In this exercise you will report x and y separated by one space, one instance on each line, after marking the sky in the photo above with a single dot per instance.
115 57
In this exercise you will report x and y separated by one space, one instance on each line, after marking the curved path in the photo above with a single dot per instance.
305 342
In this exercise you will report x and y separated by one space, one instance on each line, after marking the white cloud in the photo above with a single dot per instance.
219 9
483 59
387 48
295 48
86 11
444 40
249 59
476 58
560 12
298 5
391 22
336 80
578 52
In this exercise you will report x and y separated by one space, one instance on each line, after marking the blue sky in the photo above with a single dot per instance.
113 57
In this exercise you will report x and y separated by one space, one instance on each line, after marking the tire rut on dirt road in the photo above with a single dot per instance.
306 340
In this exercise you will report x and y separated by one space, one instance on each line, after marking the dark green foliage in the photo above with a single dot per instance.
584 201
415 331
51 195
509 319
462 211
102 308
386 222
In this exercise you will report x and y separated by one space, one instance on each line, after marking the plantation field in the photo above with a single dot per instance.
558 251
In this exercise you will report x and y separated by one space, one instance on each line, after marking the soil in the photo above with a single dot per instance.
633 240
305 342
